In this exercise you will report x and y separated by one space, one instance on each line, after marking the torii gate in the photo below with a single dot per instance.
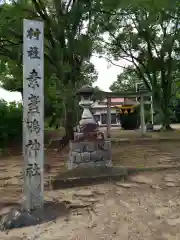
140 94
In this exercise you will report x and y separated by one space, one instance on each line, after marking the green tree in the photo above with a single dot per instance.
126 81
69 35
10 123
147 36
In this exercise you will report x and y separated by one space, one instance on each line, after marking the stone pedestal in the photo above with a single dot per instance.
89 153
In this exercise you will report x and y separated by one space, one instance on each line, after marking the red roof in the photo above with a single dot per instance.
115 100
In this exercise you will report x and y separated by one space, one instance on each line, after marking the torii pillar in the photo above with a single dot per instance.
108 117
143 127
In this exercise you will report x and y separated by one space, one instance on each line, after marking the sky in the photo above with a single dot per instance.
107 74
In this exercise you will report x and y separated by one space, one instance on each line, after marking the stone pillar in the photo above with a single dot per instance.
33 114
100 120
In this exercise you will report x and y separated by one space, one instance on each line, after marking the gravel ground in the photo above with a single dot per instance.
146 207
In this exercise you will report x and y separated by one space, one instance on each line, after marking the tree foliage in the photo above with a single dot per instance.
144 33
10 123
69 35
126 81
147 36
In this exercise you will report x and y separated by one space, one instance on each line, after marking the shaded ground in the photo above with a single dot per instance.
146 207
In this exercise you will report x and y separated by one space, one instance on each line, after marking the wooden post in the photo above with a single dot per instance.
108 117
33 113
143 127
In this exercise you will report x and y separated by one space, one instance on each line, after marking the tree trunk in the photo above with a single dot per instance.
70 117
166 85
69 126
165 110
166 127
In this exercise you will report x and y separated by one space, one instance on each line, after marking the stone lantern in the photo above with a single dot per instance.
89 148
87 124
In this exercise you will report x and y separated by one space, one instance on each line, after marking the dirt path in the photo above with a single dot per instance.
146 154
145 207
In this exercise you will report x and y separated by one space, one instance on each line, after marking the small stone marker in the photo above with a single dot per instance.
149 127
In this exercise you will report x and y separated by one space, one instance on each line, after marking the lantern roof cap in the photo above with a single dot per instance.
85 89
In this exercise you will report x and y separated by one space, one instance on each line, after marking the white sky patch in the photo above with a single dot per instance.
107 74
10 96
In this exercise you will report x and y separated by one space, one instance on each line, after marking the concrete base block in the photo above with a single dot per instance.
89 153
